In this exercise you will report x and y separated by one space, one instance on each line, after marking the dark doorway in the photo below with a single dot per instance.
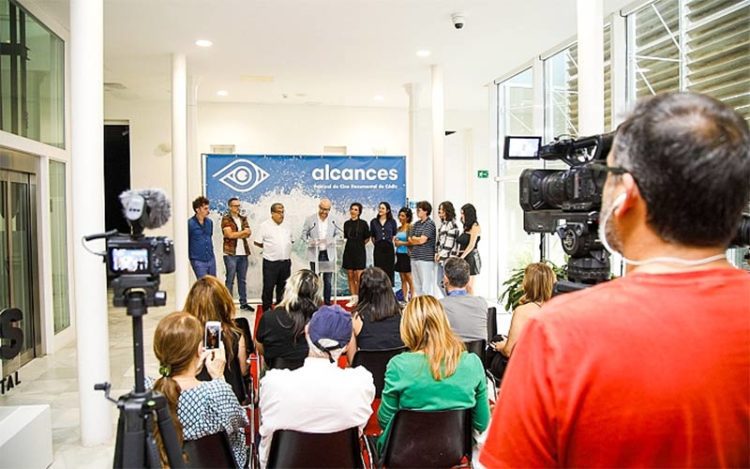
116 174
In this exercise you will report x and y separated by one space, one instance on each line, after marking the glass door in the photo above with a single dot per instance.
18 238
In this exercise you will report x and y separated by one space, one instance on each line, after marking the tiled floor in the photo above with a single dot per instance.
52 380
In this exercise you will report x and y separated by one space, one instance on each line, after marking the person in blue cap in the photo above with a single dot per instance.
320 397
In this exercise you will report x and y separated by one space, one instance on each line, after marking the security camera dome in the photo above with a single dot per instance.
458 20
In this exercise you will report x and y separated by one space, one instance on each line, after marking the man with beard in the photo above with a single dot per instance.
652 369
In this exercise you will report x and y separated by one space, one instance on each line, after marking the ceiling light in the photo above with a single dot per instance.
222 93
203 43
423 53
378 98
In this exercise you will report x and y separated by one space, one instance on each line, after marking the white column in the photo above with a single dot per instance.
438 135
195 163
619 69
590 67
412 90
87 149
180 199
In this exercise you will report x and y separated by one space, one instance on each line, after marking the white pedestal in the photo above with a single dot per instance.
25 436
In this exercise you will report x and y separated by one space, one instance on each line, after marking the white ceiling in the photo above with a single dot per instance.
333 52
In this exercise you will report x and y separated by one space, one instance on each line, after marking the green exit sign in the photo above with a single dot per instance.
483 174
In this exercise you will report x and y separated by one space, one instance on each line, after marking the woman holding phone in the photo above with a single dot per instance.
210 301
199 408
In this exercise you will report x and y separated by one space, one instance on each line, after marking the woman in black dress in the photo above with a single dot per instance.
468 243
356 233
382 230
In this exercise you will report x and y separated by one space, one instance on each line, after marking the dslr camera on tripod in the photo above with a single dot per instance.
135 261
566 202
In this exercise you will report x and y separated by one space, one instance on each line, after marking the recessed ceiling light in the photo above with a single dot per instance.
203 43
222 93
378 98
423 53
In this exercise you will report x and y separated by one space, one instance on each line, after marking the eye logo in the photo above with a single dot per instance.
241 175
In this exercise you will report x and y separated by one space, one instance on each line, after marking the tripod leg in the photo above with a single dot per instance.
168 432
152 451
118 462
133 434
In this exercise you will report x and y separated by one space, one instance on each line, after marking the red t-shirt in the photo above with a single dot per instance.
646 370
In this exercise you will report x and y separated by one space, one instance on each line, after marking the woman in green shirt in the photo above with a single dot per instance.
436 374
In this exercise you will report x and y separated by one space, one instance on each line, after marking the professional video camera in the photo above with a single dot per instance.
566 202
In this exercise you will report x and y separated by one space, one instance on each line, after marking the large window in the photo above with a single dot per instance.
516 109
561 94
515 117
57 226
696 45
31 77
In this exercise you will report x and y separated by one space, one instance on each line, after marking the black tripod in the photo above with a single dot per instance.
141 409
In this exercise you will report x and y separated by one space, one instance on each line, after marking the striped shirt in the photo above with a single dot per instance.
426 251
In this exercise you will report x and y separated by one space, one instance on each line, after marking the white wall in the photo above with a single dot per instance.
150 135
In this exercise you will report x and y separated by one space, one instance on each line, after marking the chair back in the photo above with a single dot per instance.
491 322
375 361
428 439
245 328
285 363
210 451
477 347
293 449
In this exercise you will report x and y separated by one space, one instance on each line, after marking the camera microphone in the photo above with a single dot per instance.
149 208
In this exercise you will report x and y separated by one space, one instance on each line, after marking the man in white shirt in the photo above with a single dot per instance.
320 397
276 241
319 231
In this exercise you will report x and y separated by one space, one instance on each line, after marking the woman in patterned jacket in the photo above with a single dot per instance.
198 408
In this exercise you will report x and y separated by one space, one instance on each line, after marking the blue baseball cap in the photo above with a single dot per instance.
330 327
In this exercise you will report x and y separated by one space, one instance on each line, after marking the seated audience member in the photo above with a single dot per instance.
467 314
281 331
436 373
377 317
620 374
198 408
320 397
537 284
209 300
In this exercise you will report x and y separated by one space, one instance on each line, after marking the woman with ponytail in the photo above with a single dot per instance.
209 300
198 408
436 373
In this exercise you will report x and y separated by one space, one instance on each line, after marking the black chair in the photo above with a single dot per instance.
245 328
297 449
491 323
477 347
210 451
375 361
428 439
284 363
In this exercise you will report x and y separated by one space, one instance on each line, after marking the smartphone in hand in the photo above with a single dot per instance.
212 335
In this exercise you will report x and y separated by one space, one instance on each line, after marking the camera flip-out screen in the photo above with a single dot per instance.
131 260
522 148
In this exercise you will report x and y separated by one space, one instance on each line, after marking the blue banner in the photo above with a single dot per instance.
299 182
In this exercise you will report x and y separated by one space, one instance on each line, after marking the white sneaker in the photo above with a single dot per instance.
352 302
